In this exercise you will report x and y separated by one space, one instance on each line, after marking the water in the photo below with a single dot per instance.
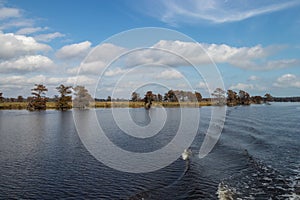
257 157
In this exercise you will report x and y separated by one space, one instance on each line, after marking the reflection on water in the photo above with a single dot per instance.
257 157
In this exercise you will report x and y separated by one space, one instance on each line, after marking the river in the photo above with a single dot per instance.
256 157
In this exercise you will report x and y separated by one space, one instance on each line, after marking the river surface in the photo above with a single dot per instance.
256 157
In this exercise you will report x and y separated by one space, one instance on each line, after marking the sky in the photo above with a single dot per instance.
116 47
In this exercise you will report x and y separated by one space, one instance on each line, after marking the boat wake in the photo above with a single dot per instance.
260 181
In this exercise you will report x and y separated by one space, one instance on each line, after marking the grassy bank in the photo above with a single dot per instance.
122 104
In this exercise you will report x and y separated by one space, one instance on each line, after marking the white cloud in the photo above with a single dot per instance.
246 87
91 68
24 64
115 72
105 52
9 13
30 30
98 58
22 80
79 50
12 45
48 37
253 78
287 80
169 52
17 23
242 86
81 80
169 74
214 11
201 85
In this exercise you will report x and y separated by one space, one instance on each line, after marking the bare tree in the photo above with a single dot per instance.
82 99
219 95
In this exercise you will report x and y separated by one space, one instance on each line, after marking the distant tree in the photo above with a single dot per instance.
148 99
159 97
135 96
108 98
268 97
244 97
1 97
82 99
219 96
39 100
20 99
171 96
198 96
257 99
232 98
64 98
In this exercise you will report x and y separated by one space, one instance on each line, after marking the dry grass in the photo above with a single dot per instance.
122 104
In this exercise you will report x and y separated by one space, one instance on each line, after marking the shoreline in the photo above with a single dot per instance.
119 104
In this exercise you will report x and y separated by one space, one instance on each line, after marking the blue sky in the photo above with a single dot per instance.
254 44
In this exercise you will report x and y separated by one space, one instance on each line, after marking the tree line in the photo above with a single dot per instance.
62 101
82 99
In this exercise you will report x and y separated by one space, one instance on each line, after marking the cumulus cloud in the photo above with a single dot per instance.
9 13
246 87
99 58
115 72
22 80
30 30
105 52
12 45
91 68
169 74
17 23
213 11
49 36
202 85
253 78
78 50
242 86
287 80
25 64
81 80
178 53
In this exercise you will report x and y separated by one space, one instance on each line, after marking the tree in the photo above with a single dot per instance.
20 99
268 97
39 100
135 96
171 96
159 97
232 98
148 99
257 99
219 95
244 97
82 99
1 97
198 96
64 98
108 98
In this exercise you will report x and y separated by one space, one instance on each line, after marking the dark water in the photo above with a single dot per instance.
257 157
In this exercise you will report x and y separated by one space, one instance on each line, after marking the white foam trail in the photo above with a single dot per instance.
225 192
